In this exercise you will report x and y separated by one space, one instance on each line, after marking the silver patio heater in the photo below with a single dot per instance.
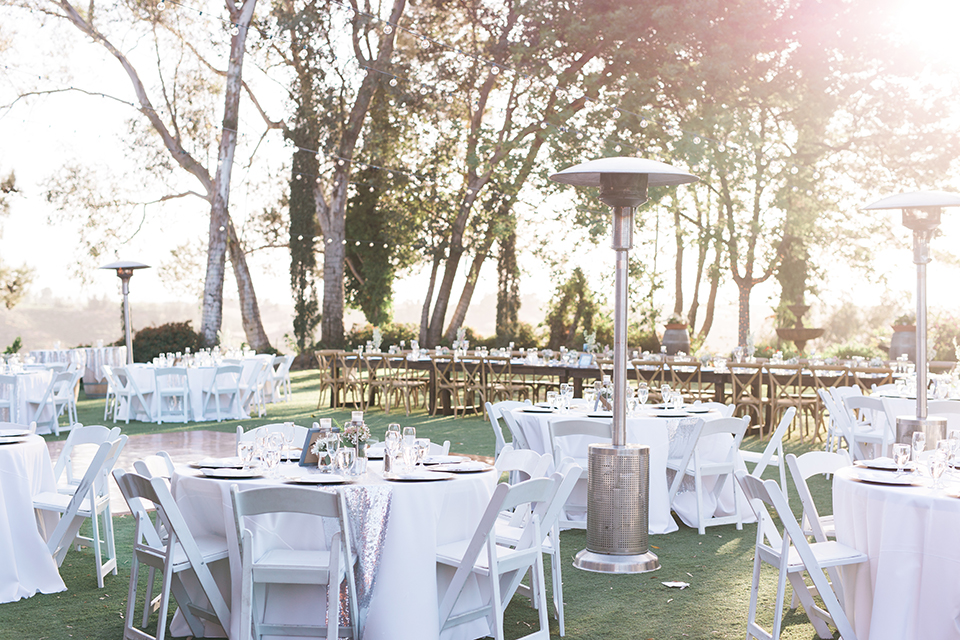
124 270
921 213
618 475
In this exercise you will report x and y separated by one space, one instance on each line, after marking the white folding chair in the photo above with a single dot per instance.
173 392
57 397
156 465
522 461
280 377
91 500
170 547
510 531
494 413
792 555
516 433
8 396
16 426
281 565
570 438
127 392
500 567
821 528
295 434
65 471
868 421
691 463
225 382
253 385
111 400
767 458
725 410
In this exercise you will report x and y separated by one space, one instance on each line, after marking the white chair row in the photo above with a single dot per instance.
58 397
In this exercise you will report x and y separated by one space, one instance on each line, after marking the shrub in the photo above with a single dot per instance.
847 350
392 333
150 342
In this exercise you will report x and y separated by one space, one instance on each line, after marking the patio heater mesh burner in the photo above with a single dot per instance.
618 474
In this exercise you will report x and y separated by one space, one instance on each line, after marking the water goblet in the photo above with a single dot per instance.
409 436
642 392
245 450
901 455
552 399
423 448
664 394
954 438
918 441
938 464
346 457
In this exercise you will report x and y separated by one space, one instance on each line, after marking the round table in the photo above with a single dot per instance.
660 435
910 536
397 527
26 565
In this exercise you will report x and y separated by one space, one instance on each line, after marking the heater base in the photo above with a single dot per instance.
606 563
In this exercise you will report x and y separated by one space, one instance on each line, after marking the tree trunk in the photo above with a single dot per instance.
508 285
712 297
249 308
331 321
743 315
464 303
425 313
678 264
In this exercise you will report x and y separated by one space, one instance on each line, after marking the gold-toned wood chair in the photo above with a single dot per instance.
447 382
823 378
650 371
867 377
376 379
402 385
474 387
501 382
684 377
350 367
747 391
331 377
788 387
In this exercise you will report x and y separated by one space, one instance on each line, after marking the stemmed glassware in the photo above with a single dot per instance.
918 441
423 448
901 455
642 392
245 449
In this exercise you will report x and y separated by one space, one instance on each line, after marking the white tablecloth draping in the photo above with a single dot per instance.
198 378
396 529
96 357
62 356
31 384
910 589
664 436
26 565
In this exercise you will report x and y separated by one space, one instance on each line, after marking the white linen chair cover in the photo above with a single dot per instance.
571 437
792 555
8 396
91 500
262 564
690 464
494 413
509 533
65 473
767 458
173 393
169 546
499 568
225 381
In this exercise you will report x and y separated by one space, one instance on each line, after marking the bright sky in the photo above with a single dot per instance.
41 134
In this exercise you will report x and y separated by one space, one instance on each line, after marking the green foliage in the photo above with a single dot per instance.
571 313
943 331
14 346
391 332
303 232
847 350
150 342
639 336
905 319
767 349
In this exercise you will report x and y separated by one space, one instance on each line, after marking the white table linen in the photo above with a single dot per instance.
32 384
26 565
660 434
910 589
400 599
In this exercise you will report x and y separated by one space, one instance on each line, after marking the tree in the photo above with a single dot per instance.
177 130
13 280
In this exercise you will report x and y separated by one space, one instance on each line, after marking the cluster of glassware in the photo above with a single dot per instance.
404 450
212 357
935 462
560 400
265 451
11 364
637 398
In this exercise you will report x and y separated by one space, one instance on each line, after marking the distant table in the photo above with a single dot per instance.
910 589
91 359
26 566
32 384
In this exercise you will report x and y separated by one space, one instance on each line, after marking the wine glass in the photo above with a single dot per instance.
423 448
665 395
552 399
332 442
918 441
409 436
938 464
642 392
245 450
954 438
392 442
346 457
901 455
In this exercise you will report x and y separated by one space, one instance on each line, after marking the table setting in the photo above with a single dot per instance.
402 501
903 513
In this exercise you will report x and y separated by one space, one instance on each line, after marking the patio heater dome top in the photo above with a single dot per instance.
916 200
588 174
125 264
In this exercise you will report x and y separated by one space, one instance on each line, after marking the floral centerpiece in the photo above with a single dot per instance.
355 434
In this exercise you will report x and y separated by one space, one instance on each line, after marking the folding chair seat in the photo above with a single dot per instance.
173 392
824 378
225 382
570 438
793 556
494 413
168 546
762 460
111 400
90 500
692 463
499 568
65 471
262 564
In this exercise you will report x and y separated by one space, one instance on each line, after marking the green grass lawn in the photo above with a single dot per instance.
717 565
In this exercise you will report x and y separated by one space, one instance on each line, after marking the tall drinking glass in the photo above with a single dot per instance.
901 455
918 441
